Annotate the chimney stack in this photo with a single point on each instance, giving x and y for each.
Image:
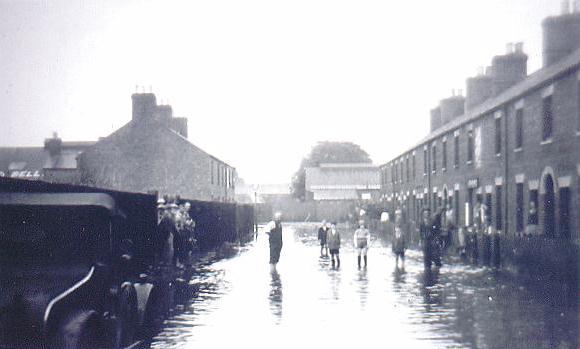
(144, 106)
(451, 107)
(435, 118)
(561, 34)
(508, 69)
(53, 145)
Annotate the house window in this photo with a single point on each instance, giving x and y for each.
(547, 118)
(470, 149)
(407, 168)
(456, 151)
(444, 155)
(413, 165)
(434, 158)
(519, 128)
(401, 169)
(578, 105)
(497, 135)
(211, 171)
(425, 168)
(520, 207)
(498, 208)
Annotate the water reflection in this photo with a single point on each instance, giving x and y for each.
(275, 296)
(458, 306)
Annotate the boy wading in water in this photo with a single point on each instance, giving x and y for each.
(333, 240)
(274, 231)
(399, 243)
(362, 239)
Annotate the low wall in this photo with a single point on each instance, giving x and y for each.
(217, 222)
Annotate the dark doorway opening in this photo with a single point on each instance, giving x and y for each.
(549, 207)
(565, 213)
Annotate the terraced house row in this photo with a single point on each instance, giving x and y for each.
(513, 140)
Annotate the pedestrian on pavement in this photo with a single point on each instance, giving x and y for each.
(399, 242)
(334, 244)
(322, 233)
(274, 231)
(362, 240)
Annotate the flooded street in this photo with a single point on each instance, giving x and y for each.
(310, 304)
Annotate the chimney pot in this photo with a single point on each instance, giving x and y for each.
(519, 47)
(565, 7)
(509, 48)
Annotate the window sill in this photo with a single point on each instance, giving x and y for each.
(547, 141)
(497, 155)
(518, 150)
(444, 169)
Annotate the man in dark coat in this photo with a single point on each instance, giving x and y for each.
(274, 231)
(430, 232)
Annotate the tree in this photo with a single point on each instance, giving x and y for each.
(326, 152)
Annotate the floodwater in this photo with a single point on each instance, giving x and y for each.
(310, 304)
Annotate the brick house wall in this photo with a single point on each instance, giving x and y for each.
(145, 156)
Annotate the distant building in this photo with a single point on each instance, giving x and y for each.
(55, 162)
(262, 193)
(152, 153)
(340, 182)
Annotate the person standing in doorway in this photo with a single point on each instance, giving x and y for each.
(334, 244)
(322, 234)
(362, 239)
(274, 231)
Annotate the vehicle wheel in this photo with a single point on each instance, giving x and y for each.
(128, 316)
(80, 330)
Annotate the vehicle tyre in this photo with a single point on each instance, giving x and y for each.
(128, 316)
(80, 330)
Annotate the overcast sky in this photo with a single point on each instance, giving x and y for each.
(260, 81)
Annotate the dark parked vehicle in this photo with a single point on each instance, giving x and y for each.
(71, 267)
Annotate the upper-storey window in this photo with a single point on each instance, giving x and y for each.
(578, 103)
(425, 167)
(413, 165)
(470, 148)
(407, 168)
(519, 138)
(434, 158)
(444, 155)
(401, 168)
(547, 114)
(497, 122)
(456, 150)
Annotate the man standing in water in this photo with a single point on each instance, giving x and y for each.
(334, 244)
(362, 239)
(322, 234)
(274, 231)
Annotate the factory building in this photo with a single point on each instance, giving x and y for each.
(511, 143)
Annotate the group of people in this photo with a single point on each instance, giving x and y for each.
(175, 232)
(329, 238)
(435, 234)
